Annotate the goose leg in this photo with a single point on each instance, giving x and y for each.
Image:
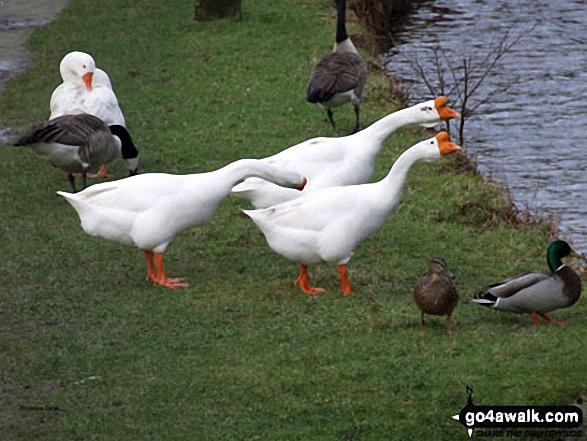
(162, 279)
(304, 281)
(151, 269)
(535, 319)
(550, 320)
(422, 322)
(84, 175)
(330, 117)
(357, 110)
(345, 285)
(71, 181)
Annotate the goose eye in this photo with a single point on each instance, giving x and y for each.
(431, 142)
(84, 66)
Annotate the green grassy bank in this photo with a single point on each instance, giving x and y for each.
(89, 350)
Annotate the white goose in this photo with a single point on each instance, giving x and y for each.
(326, 225)
(147, 211)
(87, 89)
(349, 160)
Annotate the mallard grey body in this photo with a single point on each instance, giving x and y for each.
(435, 294)
(537, 292)
(73, 143)
(340, 76)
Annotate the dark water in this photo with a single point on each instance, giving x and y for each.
(532, 137)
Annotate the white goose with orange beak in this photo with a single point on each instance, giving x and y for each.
(326, 225)
(348, 160)
(149, 210)
(87, 89)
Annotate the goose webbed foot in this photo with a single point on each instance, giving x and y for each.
(156, 272)
(102, 173)
(304, 282)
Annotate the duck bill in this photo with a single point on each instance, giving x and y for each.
(88, 80)
(574, 253)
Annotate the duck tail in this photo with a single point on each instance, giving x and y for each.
(484, 298)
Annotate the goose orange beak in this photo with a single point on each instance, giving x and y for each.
(445, 147)
(302, 185)
(88, 80)
(445, 112)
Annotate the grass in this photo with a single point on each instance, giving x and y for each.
(91, 351)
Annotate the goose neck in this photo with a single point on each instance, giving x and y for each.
(376, 134)
(341, 33)
(398, 174)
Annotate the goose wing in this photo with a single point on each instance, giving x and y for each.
(67, 129)
(335, 73)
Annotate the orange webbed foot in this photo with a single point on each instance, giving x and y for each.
(304, 282)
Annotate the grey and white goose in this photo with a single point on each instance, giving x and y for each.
(340, 76)
(80, 143)
(537, 293)
(87, 89)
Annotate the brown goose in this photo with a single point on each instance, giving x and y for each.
(339, 76)
(435, 294)
(537, 293)
(76, 144)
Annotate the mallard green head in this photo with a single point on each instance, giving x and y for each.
(556, 251)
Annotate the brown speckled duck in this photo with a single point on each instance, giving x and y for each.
(435, 294)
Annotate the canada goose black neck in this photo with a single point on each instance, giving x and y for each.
(341, 33)
(127, 147)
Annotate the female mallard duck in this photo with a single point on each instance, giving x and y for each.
(87, 89)
(149, 210)
(340, 76)
(537, 293)
(435, 294)
(75, 144)
(326, 225)
(349, 160)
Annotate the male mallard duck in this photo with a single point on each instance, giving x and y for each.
(149, 210)
(435, 294)
(349, 160)
(326, 225)
(87, 89)
(537, 293)
(340, 76)
(75, 144)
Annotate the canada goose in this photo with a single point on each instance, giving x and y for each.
(435, 294)
(77, 144)
(339, 76)
(87, 89)
(326, 225)
(538, 292)
(148, 211)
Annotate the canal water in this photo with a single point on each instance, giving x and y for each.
(532, 137)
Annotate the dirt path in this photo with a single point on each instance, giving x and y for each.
(18, 18)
